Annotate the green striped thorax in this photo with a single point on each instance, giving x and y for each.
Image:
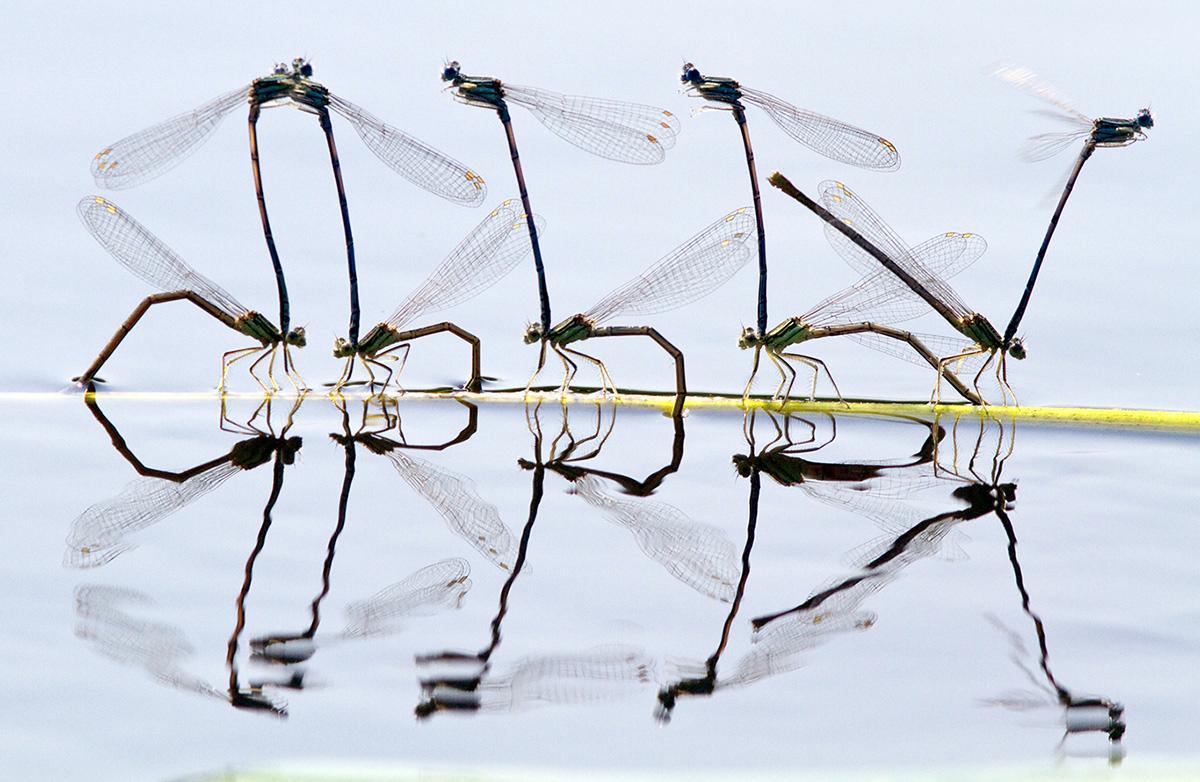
(790, 332)
(984, 333)
(256, 326)
(378, 338)
(476, 90)
(290, 84)
(572, 329)
(714, 88)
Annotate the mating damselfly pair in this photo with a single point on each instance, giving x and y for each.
(899, 282)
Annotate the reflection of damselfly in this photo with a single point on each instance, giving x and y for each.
(1099, 132)
(846, 214)
(616, 130)
(151, 152)
(824, 135)
(480, 260)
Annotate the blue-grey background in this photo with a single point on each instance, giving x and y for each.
(1109, 325)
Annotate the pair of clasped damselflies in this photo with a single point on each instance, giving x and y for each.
(923, 275)
(627, 133)
(145, 155)
(832, 138)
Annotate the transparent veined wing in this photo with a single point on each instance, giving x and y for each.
(144, 254)
(1046, 145)
(101, 533)
(487, 254)
(698, 555)
(941, 346)
(612, 129)
(144, 155)
(690, 272)
(827, 136)
(848, 207)
(431, 589)
(455, 499)
(881, 296)
(413, 159)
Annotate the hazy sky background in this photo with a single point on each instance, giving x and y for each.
(1109, 324)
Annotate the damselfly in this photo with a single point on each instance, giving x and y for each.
(488, 253)
(616, 130)
(690, 272)
(142, 253)
(865, 311)
(1099, 132)
(849, 218)
(830, 137)
(145, 155)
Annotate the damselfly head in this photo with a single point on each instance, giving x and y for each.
(1016, 349)
(296, 337)
(1145, 119)
(302, 67)
(342, 348)
(533, 333)
(452, 71)
(281, 69)
(743, 465)
(749, 338)
(690, 74)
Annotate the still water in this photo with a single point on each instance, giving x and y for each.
(541, 588)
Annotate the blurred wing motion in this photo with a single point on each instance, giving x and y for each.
(691, 272)
(143, 156)
(460, 506)
(605, 673)
(489, 252)
(431, 589)
(827, 136)
(697, 554)
(99, 534)
(156, 647)
(144, 254)
(1046, 145)
(612, 129)
(854, 212)
(416, 161)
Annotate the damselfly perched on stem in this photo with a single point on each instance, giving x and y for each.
(865, 311)
(690, 272)
(488, 253)
(847, 215)
(1099, 132)
(143, 254)
(616, 130)
(145, 155)
(829, 137)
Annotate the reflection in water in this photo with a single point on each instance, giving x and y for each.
(100, 534)
(889, 492)
(464, 681)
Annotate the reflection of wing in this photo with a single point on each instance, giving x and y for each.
(699, 555)
(464, 511)
(155, 647)
(431, 589)
(604, 673)
(98, 535)
(781, 646)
